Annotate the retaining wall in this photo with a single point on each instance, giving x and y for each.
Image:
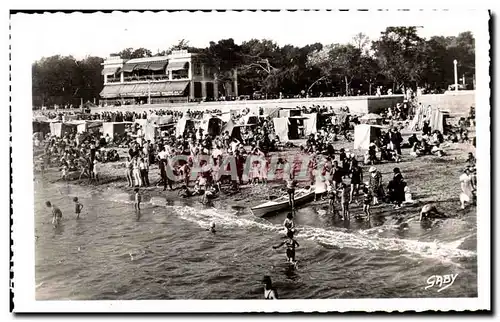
(457, 103)
(356, 104)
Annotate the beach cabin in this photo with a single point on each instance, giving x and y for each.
(233, 129)
(113, 128)
(211, 124)
(59, 129)
(364, 134)
(183, 125)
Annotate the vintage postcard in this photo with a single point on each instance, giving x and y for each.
(184, 159)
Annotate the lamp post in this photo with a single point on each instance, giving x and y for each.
(456, 76)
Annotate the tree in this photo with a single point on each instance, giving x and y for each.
(319, 60)
(345, 61)
(131, 53)
(91, 82)
(223, 56)
(369, 71)
(399, 55)
(362, 42)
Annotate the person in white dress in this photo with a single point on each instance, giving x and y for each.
(466, 196)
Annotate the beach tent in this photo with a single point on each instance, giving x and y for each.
(225, 117)
(310, 124)
(422, 113)
(81, 127)
(296, 127)
(364, 134)
(434, 115)
(272, 112)
(41, 127)
(113, 127)
(211, 124)
(233, 129)
(56, 128)
(371, 118)
(250, 119)
(68, 118)
(281, 128)
(182, 125)
(437, 120)
(284, 112)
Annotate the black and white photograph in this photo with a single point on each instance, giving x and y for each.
(205, 156)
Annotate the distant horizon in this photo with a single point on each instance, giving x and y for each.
(99, 34)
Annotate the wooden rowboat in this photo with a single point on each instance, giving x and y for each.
(301, 196)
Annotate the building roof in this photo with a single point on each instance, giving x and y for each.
(146, 59)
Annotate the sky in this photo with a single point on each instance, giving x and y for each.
(99, 34)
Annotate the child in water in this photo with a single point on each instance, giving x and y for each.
(56, 214)
(367, 199)
(78, 207)
(137, 199)
(288, 223)
(345, 197)
(290, 247)
(212, 227)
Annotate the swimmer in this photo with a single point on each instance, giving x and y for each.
(137, 199)
(212, 227)
(290, 247)
(78, 207)
(430, 212)
(288, 223)
(56, 214)
(269, 292)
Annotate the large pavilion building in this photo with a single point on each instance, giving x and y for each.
(179, 77)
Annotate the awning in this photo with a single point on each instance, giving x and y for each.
(110, 91)
(158, 65)
(134, 90)
(142, 66)
(145, 89)
(171, 88)
(109, 70)
(129, 67)
(176, 65)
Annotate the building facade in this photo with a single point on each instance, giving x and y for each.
(179, 77)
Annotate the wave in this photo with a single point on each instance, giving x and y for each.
(340, 239)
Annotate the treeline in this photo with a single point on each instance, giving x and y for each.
(397, 60)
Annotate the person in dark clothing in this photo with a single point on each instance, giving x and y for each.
(396, 141)
(396, 188)
(413, 139)
(426, 129)
(356, 178)
(337, 174)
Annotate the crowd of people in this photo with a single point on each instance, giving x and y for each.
(196, 163)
